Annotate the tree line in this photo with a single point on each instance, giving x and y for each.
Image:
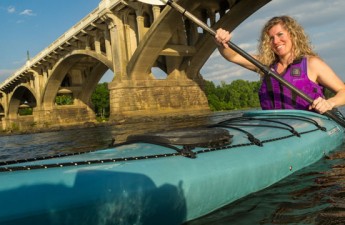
(239, 94)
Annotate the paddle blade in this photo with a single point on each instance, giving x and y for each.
(154, 2)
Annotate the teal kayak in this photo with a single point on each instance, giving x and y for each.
(168, 177)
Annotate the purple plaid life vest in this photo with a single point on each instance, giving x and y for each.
(274, 95)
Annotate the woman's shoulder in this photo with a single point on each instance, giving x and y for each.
(315, 62)
(318, 68)
(313, 58)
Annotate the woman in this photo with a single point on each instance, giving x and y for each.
(286, 49)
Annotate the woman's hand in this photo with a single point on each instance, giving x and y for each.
(321, 105)
(222, 37)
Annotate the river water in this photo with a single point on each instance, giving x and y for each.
(314, 195)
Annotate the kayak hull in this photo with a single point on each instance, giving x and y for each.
(145, 183)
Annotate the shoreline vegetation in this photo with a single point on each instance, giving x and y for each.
(239, 94)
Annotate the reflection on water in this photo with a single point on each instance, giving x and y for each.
(87, 139)
(314, 195)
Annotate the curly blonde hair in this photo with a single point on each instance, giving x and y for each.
(301, 45)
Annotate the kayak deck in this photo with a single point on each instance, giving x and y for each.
(148, 180)
(250, 129)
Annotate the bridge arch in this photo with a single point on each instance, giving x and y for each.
(22, 96)
(84, 69)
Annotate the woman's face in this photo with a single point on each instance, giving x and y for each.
(280, 40)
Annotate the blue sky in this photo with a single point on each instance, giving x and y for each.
(32, 25)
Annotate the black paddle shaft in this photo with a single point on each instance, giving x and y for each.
(251, 59)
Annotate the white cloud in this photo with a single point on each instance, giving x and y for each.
(218, 69)
(11, 9)
(27, 12)
(228, 73)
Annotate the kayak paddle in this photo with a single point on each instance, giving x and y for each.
(244, 54)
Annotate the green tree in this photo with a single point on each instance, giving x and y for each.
(25, 111)
(100, 100)
(65, 99)
(214, 103)
(239, 94)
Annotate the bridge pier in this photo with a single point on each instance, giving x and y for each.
(67, 115)
(59, 116)
(140, 98)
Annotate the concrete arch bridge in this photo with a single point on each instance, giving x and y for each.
(130, 39)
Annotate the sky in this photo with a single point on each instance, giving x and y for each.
(32, 25)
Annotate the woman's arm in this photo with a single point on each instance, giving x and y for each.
(320, 72)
